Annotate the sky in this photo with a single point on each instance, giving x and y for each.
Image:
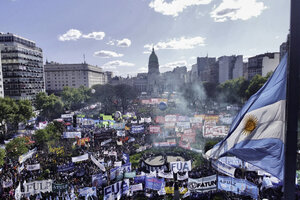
(118, 35)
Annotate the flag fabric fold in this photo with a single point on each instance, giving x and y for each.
(257, 134)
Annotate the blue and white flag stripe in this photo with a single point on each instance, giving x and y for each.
(264, 145)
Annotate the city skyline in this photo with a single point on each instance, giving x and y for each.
(118, 35)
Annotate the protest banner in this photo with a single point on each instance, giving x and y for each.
(105, 142)
(137, 187)
(80, 158)
(181, 166)
(33, 167)
(215, 131)
(71, 134)
(183, 177)
(170, 190)
(170, 118)
(97, 163)
(237, 186)
(160, 119)
(37, 187)
(169, 125)
(117, 163)
(154, 183)
(118, 126)
(56, 187)
(120, 133)
(125, 158)
(7, 183)
(88, 191)
(27, 155)
(196, 119)
(137, 129)
(212, 118)
(181, 118)
(98, 180)
(139, 179)
(223, 168)
(154, 129)
(164, 144)
(188, 138)
(183, 125)
(130, 174)
(204, 184)
(165, 175)
(64, 168)
(18, 193)
(116, 190)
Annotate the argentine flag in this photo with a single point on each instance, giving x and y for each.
(257, 134)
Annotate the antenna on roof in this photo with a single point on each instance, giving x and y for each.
(84, 59)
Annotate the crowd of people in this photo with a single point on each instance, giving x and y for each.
(69, 177)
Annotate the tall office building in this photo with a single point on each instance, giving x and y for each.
(262, 64)
(230, 67)
(1, 80)
(22, 67)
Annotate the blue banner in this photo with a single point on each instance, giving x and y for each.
(98, 180)
(137, 129)
(237, 186)
(139, 179)
(154, 183)
(126, 158)
(64, 168)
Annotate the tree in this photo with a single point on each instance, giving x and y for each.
(125, 94)
(52, 132)
(13, 112)
(233, 91)
(51, 106)
(2, 156)
(106, 95)
(255, 84)
(211, 143)
(75, 98)
(17, 147)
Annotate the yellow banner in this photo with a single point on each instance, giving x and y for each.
(170, 190)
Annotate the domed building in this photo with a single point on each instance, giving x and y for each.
(153, 65)
(153, 75)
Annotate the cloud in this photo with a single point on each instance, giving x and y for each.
(142, 70)
(170, 66)
(117, 63)
(107, 54)
(178, 43)
(95, 35)
(74, 34)
(237, 9)
(174, 7)
(120, 43)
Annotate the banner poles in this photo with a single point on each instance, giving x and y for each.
(292, 102)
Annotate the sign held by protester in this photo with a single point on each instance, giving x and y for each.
(181, 166)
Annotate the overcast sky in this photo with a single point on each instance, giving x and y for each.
(119, 34)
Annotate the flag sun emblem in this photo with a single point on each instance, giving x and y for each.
(250, 124)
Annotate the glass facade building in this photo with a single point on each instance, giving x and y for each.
(22, 67)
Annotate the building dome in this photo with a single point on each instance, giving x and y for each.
(153, 66)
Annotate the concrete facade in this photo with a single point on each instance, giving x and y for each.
(58, 76)
(262, 64)
(230, 67)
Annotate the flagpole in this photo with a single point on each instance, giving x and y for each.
(292, 102)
